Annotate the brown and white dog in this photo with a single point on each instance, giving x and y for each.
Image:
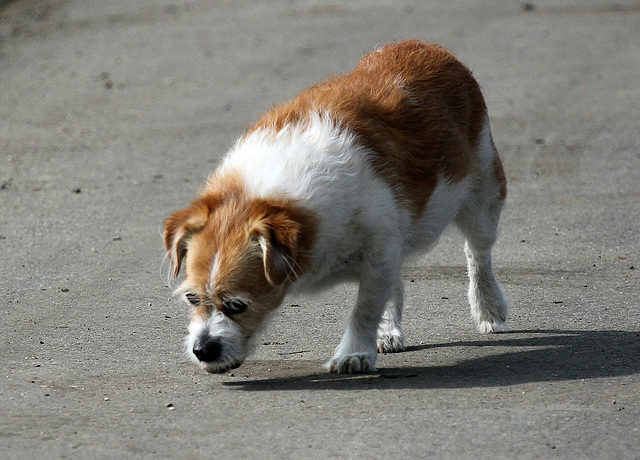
(343, 183)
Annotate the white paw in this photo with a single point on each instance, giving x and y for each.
(390, 341)
(492, 326)
(354, 363)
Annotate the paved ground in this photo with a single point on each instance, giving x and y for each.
(113, 112)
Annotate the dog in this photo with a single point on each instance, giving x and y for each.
(343, 183)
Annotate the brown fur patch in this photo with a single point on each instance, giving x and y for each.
(414, 105)
(232, 235)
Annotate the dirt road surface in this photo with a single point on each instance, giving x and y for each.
(112, 113)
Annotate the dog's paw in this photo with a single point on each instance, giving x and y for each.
(354, 363)
(492, 327)
(390, 342)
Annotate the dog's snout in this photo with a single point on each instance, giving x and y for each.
(207, 350)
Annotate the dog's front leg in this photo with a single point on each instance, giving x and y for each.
(357, 351)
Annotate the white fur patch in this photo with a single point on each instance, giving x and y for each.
(323, 167)
(213, 272)
(443, 205)
(296, 162)
(486, 151)
(232, 341)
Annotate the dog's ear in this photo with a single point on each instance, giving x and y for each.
(179, 228)
(278, 238)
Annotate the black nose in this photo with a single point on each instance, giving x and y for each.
(207, 350)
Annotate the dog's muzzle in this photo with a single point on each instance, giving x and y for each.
(217, 344)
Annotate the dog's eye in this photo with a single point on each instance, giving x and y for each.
(234, 307)
(192, 298)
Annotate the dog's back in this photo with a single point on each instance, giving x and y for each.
(418, 111)
(390, 147)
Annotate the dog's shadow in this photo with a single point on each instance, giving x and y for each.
(517, 357)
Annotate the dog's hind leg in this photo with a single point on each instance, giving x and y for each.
(390, 336)
(478, 220)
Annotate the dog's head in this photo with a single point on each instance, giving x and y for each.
(240, 256)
